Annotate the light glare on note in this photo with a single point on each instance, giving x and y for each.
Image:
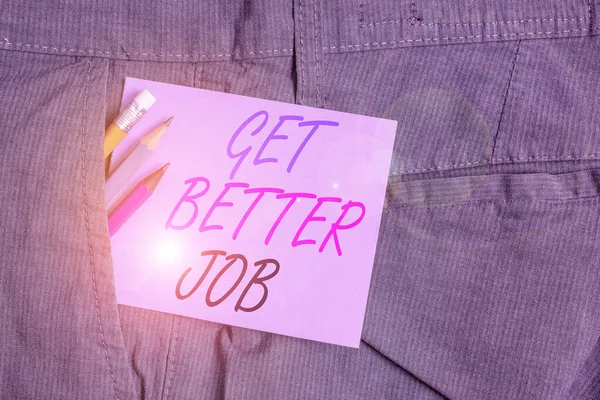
(168, 252)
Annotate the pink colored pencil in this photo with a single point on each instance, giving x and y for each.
(134, 200)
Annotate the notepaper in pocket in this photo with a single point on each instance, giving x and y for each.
(266, 219)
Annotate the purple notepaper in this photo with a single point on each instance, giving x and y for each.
(266, 219)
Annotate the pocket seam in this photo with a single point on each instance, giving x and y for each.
(501, 160)
(471, 23)
(84, 162)
(500, 188)
(438, 39)
(587, 199)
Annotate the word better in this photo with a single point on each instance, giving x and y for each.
(343, 222)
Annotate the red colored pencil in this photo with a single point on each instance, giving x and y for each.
(134, 200)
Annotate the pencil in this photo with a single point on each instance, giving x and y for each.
(134, 200)
(130, 115)
(123, 172)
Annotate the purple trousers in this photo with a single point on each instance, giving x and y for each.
(486, 281)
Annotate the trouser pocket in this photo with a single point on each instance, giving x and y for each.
(494, 273)
(60, 317)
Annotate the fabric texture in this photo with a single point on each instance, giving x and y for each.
(485, 282)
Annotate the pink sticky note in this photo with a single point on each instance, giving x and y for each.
(266, 219)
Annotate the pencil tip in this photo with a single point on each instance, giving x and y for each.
(152, 180)
(151, 140)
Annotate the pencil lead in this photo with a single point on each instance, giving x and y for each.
(152, 180)
(151, 139)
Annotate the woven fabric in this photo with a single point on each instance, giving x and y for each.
(485, 282)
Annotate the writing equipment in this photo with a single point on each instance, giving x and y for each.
(123, 172)
(134, 200)
(126, 119)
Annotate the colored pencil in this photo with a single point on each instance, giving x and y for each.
(123, 172)
(127, 118)
(134, 200)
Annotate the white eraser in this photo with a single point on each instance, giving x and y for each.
(145, 99)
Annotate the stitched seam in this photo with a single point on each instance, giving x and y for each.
(393, 42)
(171, 371)
(87, 230)
(194, 80)
(413, 13)
(301, 51)
(514, 22)
(317, 62)
(502, 160)
(361, 15)
(508, 85)
(6, 43)
(558, 202)
(403, 369)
